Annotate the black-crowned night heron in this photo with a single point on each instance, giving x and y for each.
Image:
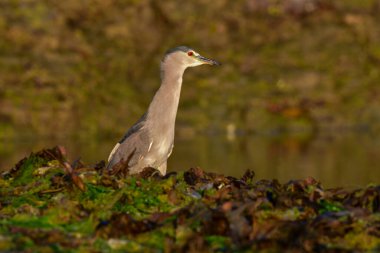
(149, 142)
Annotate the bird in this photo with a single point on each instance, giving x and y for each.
(150, 141)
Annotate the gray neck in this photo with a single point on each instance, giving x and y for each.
(163, 108)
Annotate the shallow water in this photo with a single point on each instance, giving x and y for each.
(349, 160)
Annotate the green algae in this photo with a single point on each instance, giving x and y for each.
(43, 210)
(27, 169)
(327, 206)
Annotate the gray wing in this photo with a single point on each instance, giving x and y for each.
(133, 146)
(135, 128)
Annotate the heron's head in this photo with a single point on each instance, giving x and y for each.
(187, 57)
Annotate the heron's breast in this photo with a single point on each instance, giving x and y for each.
(162, 147)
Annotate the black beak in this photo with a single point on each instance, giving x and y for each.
(208, 61)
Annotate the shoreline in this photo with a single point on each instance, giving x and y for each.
(47, 206)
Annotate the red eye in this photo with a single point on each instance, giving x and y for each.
(190, 53)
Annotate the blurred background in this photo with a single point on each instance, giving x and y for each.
(297, 95)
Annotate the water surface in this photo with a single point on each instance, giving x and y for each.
(351, 160)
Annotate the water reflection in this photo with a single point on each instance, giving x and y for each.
(345, 160)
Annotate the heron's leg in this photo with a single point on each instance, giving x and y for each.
(162, 168)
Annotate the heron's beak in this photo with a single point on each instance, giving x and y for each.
(207, 60)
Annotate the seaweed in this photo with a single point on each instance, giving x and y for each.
(49, 204)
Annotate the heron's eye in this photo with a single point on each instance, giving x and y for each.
(190, 53)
